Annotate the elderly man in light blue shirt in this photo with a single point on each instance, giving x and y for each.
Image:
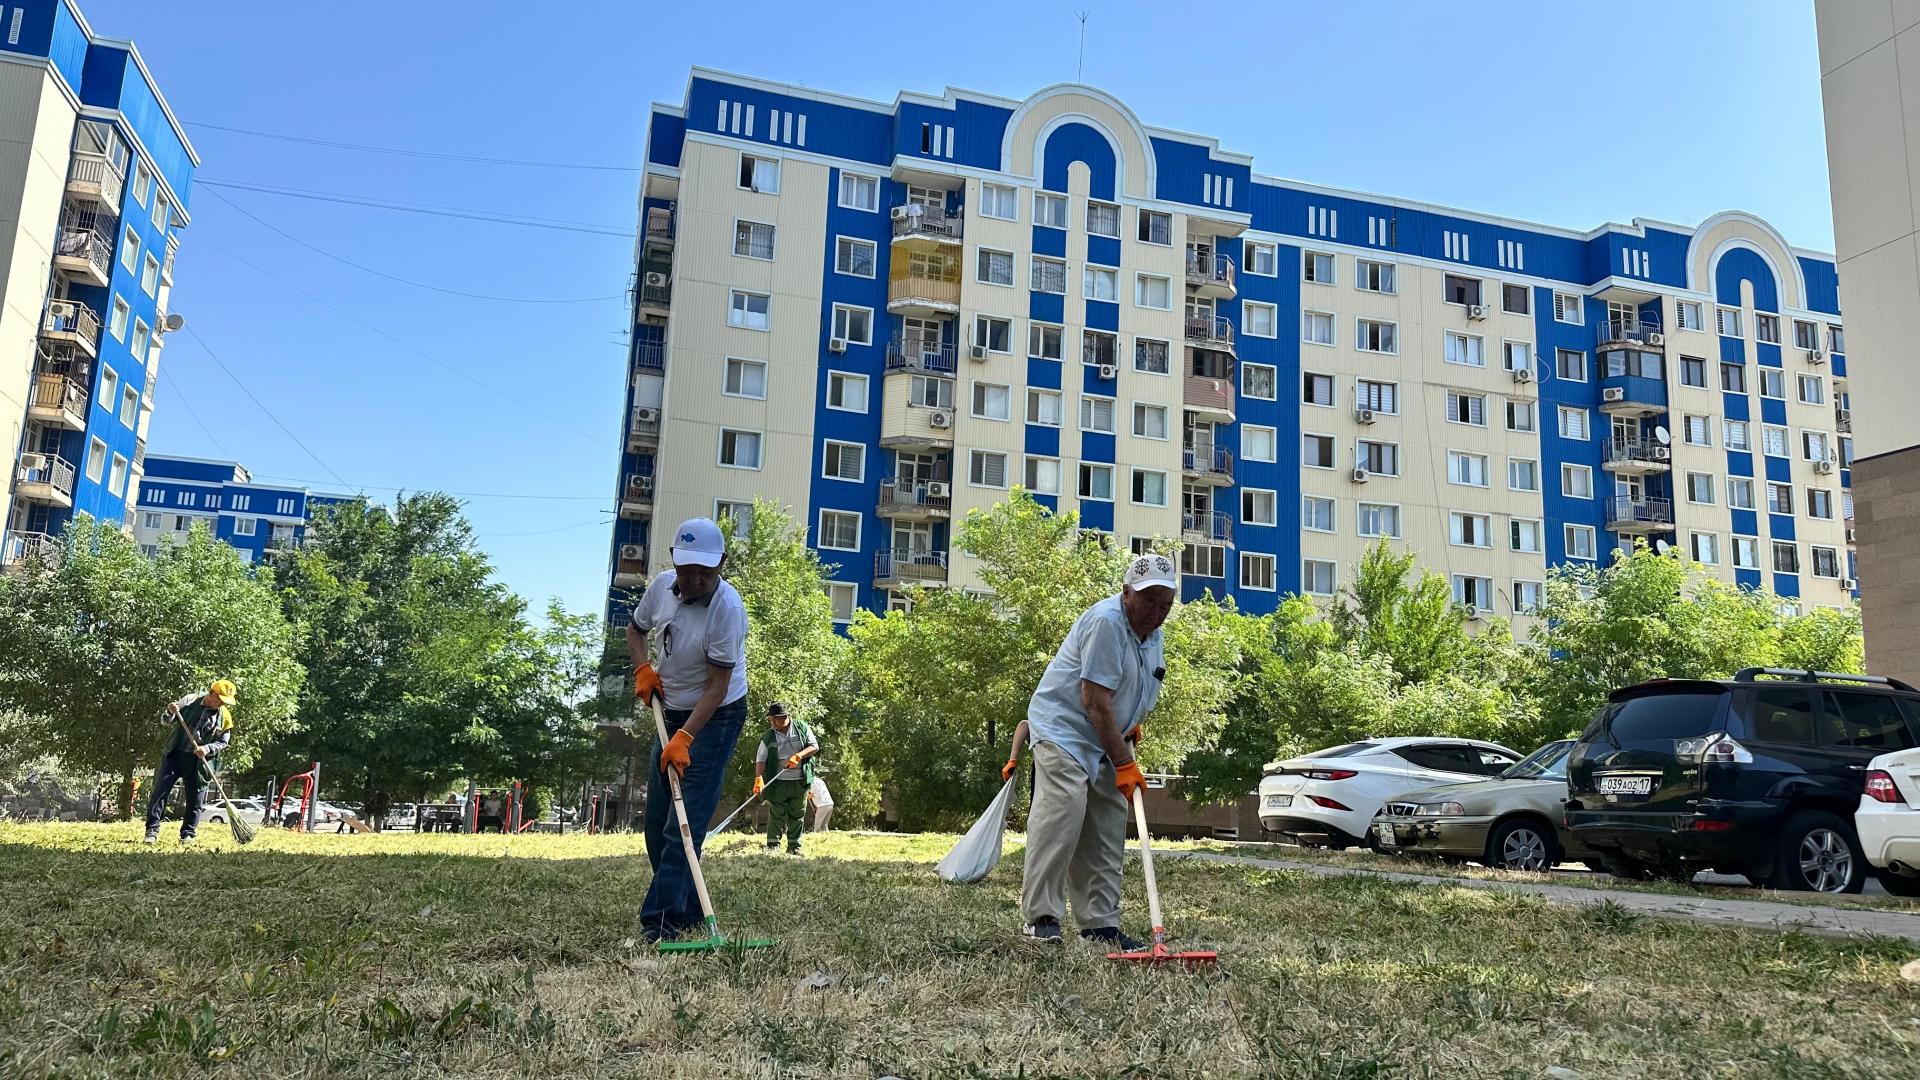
(1102, 683)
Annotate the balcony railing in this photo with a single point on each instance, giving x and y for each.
(898, 497)
(917, 220)
(922, 289)
(73, 319)
(96, 173)
(638, 489)
(1207, 459)
(51, 470)
(1203, 392)
(166, 266)
(1636, 452)
(1843, 420)
(917, 354)
(1209, 269)
(656, 295)
(910, 564)
(644, 424)
(1209, 332)
(660, 225)
(1629, 511)
(650, 355)
(22, 547)
(1632, 331)
(97, 250)
(58, 392)
(1212, 525)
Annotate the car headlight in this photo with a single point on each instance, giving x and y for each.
(1443, 809)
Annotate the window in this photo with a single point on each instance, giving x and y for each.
(1371, 276)
(1739, 493)
(1773, 440)
(1518, 355)
(1461, 290)
(1700, 488)
(242, 502)
(1203, 560)
(1103, 219)
(1043, 407)
(184, 498)
(760, 174)
(129, 406)
(1379, 337)
(1570, 365)
(1043, 475)
(1779, 498)
(1377, 520)
(1096, 482)
(1806, 335)
(1693, 371)
(1846, 451)
(1381, 397)
(1256, 572)
(1528, 596)
(109, 384)
(1686, 315)
(1699, 430)
(993, 333)
(1316, 576)
(1836, 339)
(246, 526)
(1466, 408)
(1727, 321)
(1316, 451)
(1566, 309)
(142, 339)
(1819, 503)
(1786, 558)
(1049, 275)
(844, 461)
(1523, 535)
(1149, 487)
(844, 596)
(994, 267)
(1098, 347)
(1156, 227)
(1155, 292)
(986, 468)
(1049, 210)
(1573, 423)
(1746, 552)
(1704, 548)
(1259, 381)
(739, 449)
(1316, 327)
(1467, 530)
(117, 476)
(1261, 259)
(1257, 443)
(1516, 299)
(1737, 437)
(1466, 349)
(1576, 481)
(753, 240)
(1523, 474)
(117, 322)
(1579, 539)
(853, 256)
(1257, 507)
(162, 212)
(149, 520)
(142, 182)
(853, 324)
(839, 531)
(1733, 378)
(1149, 421)
(1379, 458)
(992, 401)
(1316, 514)
(846, 392)
(1826, 561)
(746, 378)
(749, 311)
(130, 250)
(1813, 446)
(1152, 356)
(1317, 267)
(1316, 389)
(1467, 470)
(998, 201)
(1520, 416)
(1100, 283)
(859, 192)
(1766, 328)
(1773, 383)
(150, 276)
(1259, 320)
(1045, 342)
(1813, 390)
(1096, 414)
(1473, 593)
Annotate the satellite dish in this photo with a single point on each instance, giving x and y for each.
(175, 321)
(1663, 435)
(1662, 546)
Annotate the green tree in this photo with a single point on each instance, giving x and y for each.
(1410, 621)
(1824, 639)
(97, 640)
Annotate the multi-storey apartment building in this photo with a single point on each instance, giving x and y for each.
(93, 194)
(887, 315)
(261, 520)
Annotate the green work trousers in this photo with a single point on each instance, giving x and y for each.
(787, 799)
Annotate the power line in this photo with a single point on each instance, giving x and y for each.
(393, 277)
(191, 411)
(370, 149)
(215, 357)
(524, 221)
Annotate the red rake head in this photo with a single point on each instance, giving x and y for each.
(1160, 954)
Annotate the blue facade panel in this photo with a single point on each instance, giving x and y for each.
(666, 134)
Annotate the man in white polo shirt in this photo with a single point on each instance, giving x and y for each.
(1102, 683)
(700, 631)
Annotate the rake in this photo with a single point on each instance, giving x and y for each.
(1159, 954)
(243, 831)
(715, 940)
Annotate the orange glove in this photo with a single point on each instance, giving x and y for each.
(758, 784)
(1134, 735)
(646, 683)
(1129, 779)
(793, 762)
(677, 756)
(1006, 771)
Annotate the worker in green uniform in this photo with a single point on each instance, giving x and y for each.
(790, 745)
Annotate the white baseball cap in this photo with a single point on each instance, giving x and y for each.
(698, 542)
(1146, 571)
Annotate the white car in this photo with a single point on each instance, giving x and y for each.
(1329, 798)
(250, 810)
(1888, 820)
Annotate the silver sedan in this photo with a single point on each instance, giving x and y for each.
(1511, 822)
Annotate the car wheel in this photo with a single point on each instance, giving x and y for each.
(1819, 853)
(1522, 844)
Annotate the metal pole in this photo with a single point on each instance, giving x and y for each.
(313, 800)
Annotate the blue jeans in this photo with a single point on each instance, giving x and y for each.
(671, 906)
(175, 767)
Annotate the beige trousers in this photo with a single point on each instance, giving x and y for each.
(1076, 841)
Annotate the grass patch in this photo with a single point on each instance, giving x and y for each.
(342, 956)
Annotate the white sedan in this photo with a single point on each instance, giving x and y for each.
(1329, 798)
(1888, 820)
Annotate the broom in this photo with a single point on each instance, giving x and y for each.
(243, 831)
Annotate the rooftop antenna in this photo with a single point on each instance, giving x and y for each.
(1080, 67)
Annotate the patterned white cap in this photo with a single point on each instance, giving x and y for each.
(1146, 571)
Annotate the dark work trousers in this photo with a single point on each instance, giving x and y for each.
(671, 907)
(179, 765)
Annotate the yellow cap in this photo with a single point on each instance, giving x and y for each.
(224, 690)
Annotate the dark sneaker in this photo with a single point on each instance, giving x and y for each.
(773, 849)
(1045, 931)
(1112, 939)
(795, 852)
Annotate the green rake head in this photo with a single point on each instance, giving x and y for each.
(715, 941)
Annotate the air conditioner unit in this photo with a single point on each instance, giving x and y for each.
(941, 418)
(1523, 375)
(632, 552)
(656, 280)
(899, 213)
(1365, 416)
(837, 345)
(1109, 371)
(640, 486)
(1823, 466)
(938, 490)
(1849, 584)
(1815, 356)
(1663, 453)
(1852, 537)
(647, 415)
(1359, 476)
(977, 352)
(1656, 339)
(33, 462)
(1613, 393)
(1476, 311)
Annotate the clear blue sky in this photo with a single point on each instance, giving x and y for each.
(1560, 114)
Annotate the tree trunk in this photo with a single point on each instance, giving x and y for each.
(126, 793)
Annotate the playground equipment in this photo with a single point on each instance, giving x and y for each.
(309, 782)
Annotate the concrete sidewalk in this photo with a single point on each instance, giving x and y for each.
(1836, 920)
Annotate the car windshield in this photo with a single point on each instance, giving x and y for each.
(1547, 763)
(1348, 750)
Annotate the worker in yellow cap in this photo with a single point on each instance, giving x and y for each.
(201, 726)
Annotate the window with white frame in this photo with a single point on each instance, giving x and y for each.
(1372, 276)
(846, 392)
(1103, 219)
(993, 333)
(117, 476)
(844, 597)
(1316, 327)
(999, 201)
(1377, 520)
(1466, 470)
(1153, 291)
(1316, 514)
(1740, 493)
(748, 310)
(1153, 356)
(1463, 408)
(1378, 458)
(853, 324)
(739, 449)
(1523, 535)
(1466, 349)
(1316, 451)
(1773, 440)
(1156, 227)
(1049, 275)
(1766, 328)
(760, 174)
(1813, 390)
(1096, 414)
(130, 251)
(1457, 289)
(1096, 482)
(1203, 560)
(1786, 557)
(1806, 335)
(1813, 446)
(1257, 443)
(1528, 596)
(859, 192)
(992, 401)
(150, 276)
(854, 256)
(839, 531)
(1773, 383)
(1746, 552)
(1737, 435)
(1826, 561)
(1576, 481)
(1257, 507)
(1377, 396)
(1518, 355)
(752, 240)
(1049, 210)
(1700, 488)
(1259, 320)
(1046, 342)
(1256, 572)
(1372, 335)
(745, 378)
(1573, 423)
(1259, 381)
(1733, 377)
(1149, 487)
(1149, 421)
(1727, 321)
(1043, 407)
(1686, 315)
(993, 267)
(1261, 258)
(987, 468)
(1819, 503)
(1316, 389)
(1043, 475)
(1516, 299)
(1101, 283)
(1699, 430)
(1467, 530)
(1579, 540)
(1566, 309)
(129, 406)
(1316, 267)
(1523, 474)
(1521, 415)
(844, 461)
(246, 526)
(1779, 498)
(1317, 577)
(117, 321)
(1693, 372)
(149, 521)
(1704, 548)
(1836, 339)
(1099, 348)
(1570, 365)
(1473, 593)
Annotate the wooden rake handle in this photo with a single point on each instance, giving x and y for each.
(680, 810)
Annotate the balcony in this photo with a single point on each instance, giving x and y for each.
(924, 295)
(97, 179)
(650, 357)
(1636, 457)
(925, 500)
(71, 320)
(656, 293)
(1632, 395)
(1204, 463)
(1210, 398)
(1210, 274)
(23, 548)
(909, 566)
(630, 567)
(1626, 514)
(1843, 421)
(922, 356)
(643, 427)
(657, 233)
(1629, 334)
(636, 497)
(84, 254)
(58, 400)
(285, 539)
(166, 265)
(1209, 332)
(914, 222)
(45, 478)
(1207, 526)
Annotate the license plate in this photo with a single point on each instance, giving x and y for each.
(1279, 802)
(1626, 785)
(1383, 832)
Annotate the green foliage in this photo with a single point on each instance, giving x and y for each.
(96, 642)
